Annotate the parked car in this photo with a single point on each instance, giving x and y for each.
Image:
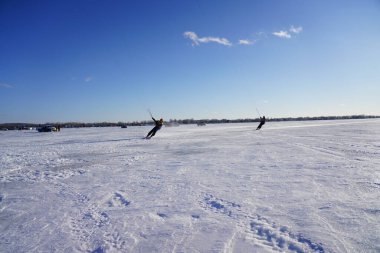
(47, 128)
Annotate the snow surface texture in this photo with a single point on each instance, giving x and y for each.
(291, 187)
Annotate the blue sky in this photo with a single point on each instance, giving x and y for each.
(94, 61)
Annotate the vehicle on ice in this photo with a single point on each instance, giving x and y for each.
(47, 128)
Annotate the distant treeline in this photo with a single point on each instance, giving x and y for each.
(216, 121)
(22, 126)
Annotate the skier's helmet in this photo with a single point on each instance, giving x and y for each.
(161, 120)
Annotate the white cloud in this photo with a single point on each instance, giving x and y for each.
(282, 34)
(197, 40)
(192, 36)
(246, 42)
(222, 41)
(287, 34)
(296, 30)
(88, 79)
(6, 85)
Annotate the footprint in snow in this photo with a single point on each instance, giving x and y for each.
(162, 215)
(118, 200)
(219, 205)
(279, 237)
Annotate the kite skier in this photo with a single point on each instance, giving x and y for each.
(262, 122)
(158, 125)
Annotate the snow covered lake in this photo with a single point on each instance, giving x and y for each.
(292, 187)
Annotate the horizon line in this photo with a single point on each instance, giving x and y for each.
(358, 116)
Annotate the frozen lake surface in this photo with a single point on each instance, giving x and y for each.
(292, 187)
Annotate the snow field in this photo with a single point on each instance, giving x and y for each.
(292, 187)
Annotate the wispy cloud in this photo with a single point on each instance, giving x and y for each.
(296, 30)
(282, 34)
(6, 85)
(246, 42)
(197, 40)
(287, 34)
(88, 79)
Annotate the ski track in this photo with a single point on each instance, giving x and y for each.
(94, 222)
(354, 152)
(94, 227)
(279, 238)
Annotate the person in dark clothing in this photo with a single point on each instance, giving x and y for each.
(262, 122)
(157, 127)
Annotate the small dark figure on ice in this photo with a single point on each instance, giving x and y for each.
(157, 127)
(262, 122)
